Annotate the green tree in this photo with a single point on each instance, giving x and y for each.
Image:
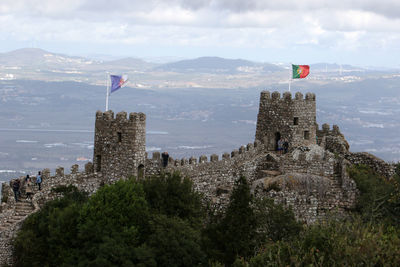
(110, 225)
(233, 233)
(275, 222)
(174, 196)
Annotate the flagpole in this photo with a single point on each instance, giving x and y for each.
(107, 89)
(290, 76)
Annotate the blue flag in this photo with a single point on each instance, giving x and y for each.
(117, 81)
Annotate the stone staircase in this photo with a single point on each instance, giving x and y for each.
(22, 208)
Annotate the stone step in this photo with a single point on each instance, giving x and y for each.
(19, 216)
(12, 220)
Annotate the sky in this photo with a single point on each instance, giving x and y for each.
(357, 32)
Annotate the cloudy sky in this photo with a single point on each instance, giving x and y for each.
(358, 32)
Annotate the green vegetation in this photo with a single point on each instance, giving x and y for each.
(162, 221)
(379, 199)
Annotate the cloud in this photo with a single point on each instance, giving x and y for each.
(339, 25)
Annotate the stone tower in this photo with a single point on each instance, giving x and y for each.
(292, 119)
(119, 144)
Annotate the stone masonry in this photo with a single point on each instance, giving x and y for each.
(311, 178)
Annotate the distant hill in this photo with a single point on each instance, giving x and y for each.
(216, 65)
(35, 57)
(135, 63)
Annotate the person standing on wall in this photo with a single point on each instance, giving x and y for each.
(39, 180)
(15, 187)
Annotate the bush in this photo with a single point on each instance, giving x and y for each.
(336, 243)
(379, 198)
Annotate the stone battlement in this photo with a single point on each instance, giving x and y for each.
(249, 148)
(120, 117)
(286, 96)
(326, 130)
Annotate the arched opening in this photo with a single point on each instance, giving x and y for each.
(277, 138)
(140, 171)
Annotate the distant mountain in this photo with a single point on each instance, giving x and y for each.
(35, 57)
(216, 65)
(135, 63)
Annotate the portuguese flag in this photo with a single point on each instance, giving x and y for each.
(300, 71)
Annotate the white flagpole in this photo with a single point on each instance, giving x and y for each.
(108, 89)
(290, 75)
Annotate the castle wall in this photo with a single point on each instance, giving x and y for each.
(215, 176)
(293, 118)
(376, 164)
(119, 144)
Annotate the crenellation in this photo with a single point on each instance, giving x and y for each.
(89, 168)
(226, 156)
(214, 158)
(234, 153)
(310, 96)
(276, 95)
(74, 168)
(250, 147)
(242, 149)
(202, 159)
(108, 115)
(299, 96)
(325, 127)
(121, 116)
(265, 95)
(287, 96)
(335, 129)
(46, 173)
(133, 116)
(192, 160)
(156, 155)
(99, 115)
(60, 171)
(177, 163)
(184, 161)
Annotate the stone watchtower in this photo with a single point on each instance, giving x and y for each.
(119, 144)
(292, 119)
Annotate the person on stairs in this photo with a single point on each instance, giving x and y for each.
(15, 187)
(39, 180)
(29, 190)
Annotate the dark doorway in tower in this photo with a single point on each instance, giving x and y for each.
(140, 171)
(277, 138)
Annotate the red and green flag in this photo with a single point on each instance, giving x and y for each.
(300, 71)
